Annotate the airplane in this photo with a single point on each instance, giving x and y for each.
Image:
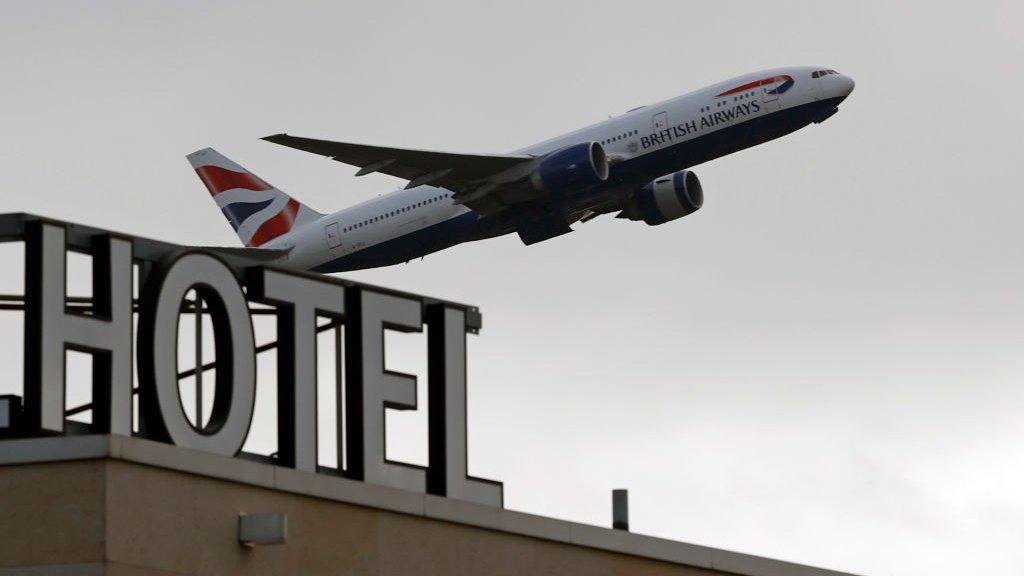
(636, 165)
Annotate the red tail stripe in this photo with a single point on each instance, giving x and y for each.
(276, 226)
(219, 179)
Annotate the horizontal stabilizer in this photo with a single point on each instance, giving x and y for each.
(261, 254)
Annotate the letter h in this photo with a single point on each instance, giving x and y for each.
(51, 330)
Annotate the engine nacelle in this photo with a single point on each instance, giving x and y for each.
(576, 166)
(668, 198)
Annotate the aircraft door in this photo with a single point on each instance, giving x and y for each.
(333, 237)
(659, 122)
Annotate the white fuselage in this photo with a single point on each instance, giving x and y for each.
(643, 144)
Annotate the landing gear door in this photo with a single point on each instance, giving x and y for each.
(333, 237)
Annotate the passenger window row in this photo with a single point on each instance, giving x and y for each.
(394, 213)
(736, 98)
(620, 137)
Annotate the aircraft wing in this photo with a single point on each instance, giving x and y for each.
(470, 176)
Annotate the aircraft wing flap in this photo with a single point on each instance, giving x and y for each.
(489, 199)
(450, 170)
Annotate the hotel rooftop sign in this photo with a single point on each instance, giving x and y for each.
(230, 284)
(34, 427)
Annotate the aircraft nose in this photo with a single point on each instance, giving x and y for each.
(844, 85)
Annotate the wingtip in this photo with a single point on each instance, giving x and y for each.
(272, 137)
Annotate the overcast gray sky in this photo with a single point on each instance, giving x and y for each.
(822, 365)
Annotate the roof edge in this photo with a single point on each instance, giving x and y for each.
(340, 489)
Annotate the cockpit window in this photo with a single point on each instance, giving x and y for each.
(820, 73)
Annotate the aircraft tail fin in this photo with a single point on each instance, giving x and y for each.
(256, 210)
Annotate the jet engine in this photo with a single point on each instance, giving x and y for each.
(666, 198)
(572, 167)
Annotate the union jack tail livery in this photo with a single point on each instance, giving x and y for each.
(256, 210)
(635, 165)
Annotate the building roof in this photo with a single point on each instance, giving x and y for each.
(331, 487)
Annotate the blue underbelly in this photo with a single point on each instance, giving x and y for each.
(408, 246)
(689, 153)
(636, 171)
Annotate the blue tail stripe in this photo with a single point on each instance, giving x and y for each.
(237, 212)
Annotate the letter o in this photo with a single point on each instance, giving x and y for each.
(235, 386)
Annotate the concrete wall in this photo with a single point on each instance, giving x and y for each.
(116, 517)
(52, 513)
